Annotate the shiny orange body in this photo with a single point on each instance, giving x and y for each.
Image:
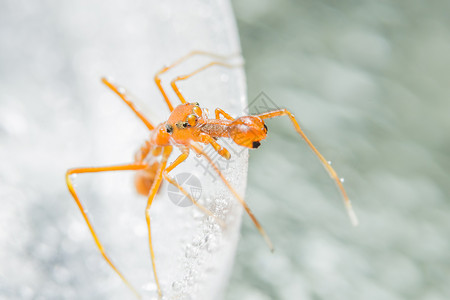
(189, 123)
(189, 128)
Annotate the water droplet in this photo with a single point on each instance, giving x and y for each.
(150, 287)
(342, 179)
(191, 252)
(212, 245)
(215, 228)
(122, 90)
(210, 220)
(190, 278)
(329, 162)
(197, 242)
(177, 285)
(73, 176)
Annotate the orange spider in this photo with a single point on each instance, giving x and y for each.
(187, 128)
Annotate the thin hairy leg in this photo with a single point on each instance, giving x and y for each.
(167, 177)
(70, 172)
(200, 151)
(331, 171)
(173, 83)
(153, 190)
(124, 97)
(179, 61)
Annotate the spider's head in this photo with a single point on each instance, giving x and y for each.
(183, 120)
(248, 131)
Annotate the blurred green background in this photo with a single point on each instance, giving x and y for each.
(369, 82)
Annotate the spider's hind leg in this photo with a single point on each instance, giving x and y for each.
(129, 167)
(330, 170)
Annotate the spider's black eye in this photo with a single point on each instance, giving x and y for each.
(182, 125)
(265, 127)
(169, 128)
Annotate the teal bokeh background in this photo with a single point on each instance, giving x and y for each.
(369, 82)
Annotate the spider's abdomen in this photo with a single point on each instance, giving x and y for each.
(144, 179)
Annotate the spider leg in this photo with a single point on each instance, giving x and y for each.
(124, 97)
(153, 190)
(166, 175)
(70, 172)
(177, 62)
(219, 112)
(333, 174)
(184, 77)
(207, 139)
(200, 151)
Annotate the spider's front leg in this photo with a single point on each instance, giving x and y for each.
(122, 94)
(183, 156)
